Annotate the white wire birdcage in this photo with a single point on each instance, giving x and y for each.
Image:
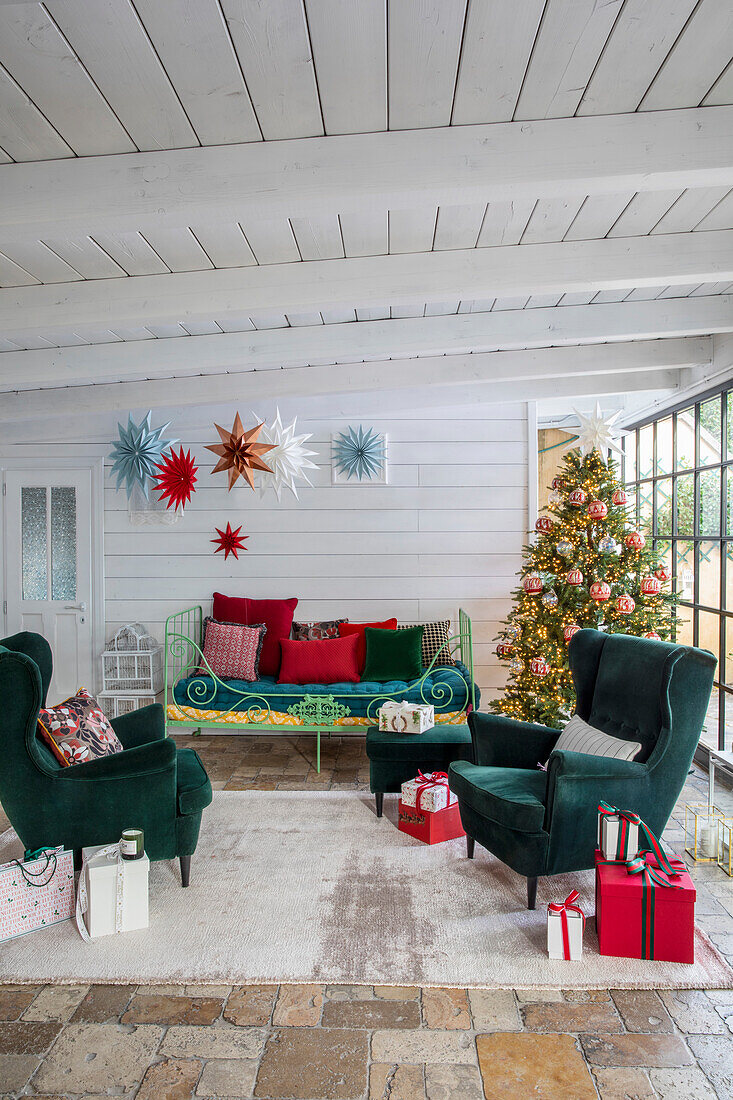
(114, 704)
(133, 662)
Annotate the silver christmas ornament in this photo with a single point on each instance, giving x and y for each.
(549, 599)
(564, 548)
(607, 545)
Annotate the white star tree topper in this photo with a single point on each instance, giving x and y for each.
(289, 458)
(596, 433)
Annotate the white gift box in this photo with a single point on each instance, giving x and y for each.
(609, 826)
(406, 717)
(111, 909)
(555, 946)
(431, 798)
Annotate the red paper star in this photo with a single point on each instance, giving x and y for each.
(176, 479)
(230, 541)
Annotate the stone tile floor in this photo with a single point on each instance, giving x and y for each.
(314, 1042)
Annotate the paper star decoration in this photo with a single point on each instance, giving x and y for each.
(239, 452)
(596, 433)
(288, 458)
(359, 453)
(137, 452)
(230, 541)
(176, 478)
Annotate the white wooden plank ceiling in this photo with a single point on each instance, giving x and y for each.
(81, 80)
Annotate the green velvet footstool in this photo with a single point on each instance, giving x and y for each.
(395, 757)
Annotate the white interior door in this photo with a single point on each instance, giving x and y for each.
(48, 568)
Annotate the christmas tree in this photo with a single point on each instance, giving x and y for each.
(588, 566)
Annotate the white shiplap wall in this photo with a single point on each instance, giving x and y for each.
(446, 532)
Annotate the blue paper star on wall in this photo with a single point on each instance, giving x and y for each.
(137, 452)
(359, 453)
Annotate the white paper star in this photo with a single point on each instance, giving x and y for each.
(288, 459)
(596, 433)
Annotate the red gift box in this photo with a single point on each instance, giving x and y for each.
(429, 827)
(643, 915)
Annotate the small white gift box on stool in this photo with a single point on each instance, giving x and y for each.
(618, 832)
(565, 926)
(116, 892)
(406, 717)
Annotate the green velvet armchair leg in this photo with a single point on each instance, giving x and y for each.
(542, 820)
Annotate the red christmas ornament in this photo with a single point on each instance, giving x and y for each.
(533, 584)
(635, 540)
(651, 586)
(504, 649)
(619, 497)
(661, 574)
(599, 590)
(597, 509)
(574, 577)
(625, 605)
(577, 498)
(176, 479)
(544, 524)
(570, 631)
(558, 483)
(538, 666)
(229, 541)
(653, 635)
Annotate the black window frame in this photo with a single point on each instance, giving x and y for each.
(642, 486)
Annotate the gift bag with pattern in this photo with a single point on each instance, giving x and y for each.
(36, 892)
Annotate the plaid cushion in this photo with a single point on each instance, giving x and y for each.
(435, 639)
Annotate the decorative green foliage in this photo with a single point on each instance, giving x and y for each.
(319, 710)
(576, 537)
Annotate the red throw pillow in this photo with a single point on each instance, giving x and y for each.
(345, 629)
(232, 650)
(326, 661)
(277, 615)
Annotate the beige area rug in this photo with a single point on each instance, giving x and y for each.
(302, 887)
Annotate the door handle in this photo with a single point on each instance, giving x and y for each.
(75, 607)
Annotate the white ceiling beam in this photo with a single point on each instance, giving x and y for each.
(511, 161)
(521, 368)
(414, 278)
(406, 337)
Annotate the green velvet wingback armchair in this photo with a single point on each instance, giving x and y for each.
(544, 823)
(151, 785)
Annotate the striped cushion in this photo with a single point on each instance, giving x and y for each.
(435, 639)
(578, 736)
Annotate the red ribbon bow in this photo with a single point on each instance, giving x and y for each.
(563, 908)
(426, 783)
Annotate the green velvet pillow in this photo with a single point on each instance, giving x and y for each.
(393, 654)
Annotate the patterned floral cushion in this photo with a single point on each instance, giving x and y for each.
(316, 632)
(435, 639)
(233, 650)
(77, 730)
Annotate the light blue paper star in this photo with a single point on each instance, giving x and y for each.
(359, 453)
(137, 453)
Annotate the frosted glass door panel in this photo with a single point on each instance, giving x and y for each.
(63, 543)
(35, 543)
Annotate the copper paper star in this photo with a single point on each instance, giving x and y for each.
(229, 541)
(239, 453)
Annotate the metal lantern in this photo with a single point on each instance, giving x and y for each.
(725, 836)
(653, 635)
(619, 497)
(597, 509)
(565, 548)
(570, 631)
(661, 574)
(574, 577)
(533, 584)
(635, 540)
(651, 586)
(504, 649)
(543, 525)
(538, 666)
(600, 590)
(701, 831)
(577, 498)
(625, 605)
(607, 544)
